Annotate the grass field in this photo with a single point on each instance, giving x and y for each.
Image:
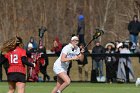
(77, 87)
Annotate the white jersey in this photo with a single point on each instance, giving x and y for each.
(70, 51)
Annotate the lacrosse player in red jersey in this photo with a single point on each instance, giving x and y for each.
(13, 52)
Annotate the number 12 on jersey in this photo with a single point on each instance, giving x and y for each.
(14, 58)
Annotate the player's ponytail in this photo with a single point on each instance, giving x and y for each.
(11, 44)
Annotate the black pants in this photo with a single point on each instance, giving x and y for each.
(0, 72)
(44, 72)
(110, 71)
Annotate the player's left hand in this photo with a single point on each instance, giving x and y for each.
(82, 50)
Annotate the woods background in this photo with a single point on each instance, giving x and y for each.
(25, 17)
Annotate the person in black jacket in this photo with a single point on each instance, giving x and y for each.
(5, 65)
(97, 61)
(134, 29)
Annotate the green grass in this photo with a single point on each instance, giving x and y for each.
(76, 87)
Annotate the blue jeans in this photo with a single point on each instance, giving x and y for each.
(98, 66)
(133, 38)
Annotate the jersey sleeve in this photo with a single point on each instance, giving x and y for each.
(65, 50)
(23, 53)
(78, 51)
(6, 55)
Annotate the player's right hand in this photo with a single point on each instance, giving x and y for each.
(75, 58)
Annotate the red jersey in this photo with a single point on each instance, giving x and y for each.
(15, 62)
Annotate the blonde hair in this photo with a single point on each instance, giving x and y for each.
(11, 44)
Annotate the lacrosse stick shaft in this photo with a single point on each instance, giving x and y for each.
(95, 36)
(88, 43)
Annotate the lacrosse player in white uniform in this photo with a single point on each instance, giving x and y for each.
(69, 52)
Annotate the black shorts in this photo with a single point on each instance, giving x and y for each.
(16, 77)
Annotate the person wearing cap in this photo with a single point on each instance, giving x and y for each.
(134, 29)
(69, 53)
(33, 42)
(30, 46)
(29, 52)
(81, 28)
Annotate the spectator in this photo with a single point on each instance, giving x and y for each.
(134, 29)
(16, 57)
(125, 71)
(29, 49)
(81, 28)
(32, 73)
(44, 62)
(57, 46)
(33, 42)
(97, 64)
(109, 62)
(82, 65)
(0, 69)
(118, 47)
(5, 65)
